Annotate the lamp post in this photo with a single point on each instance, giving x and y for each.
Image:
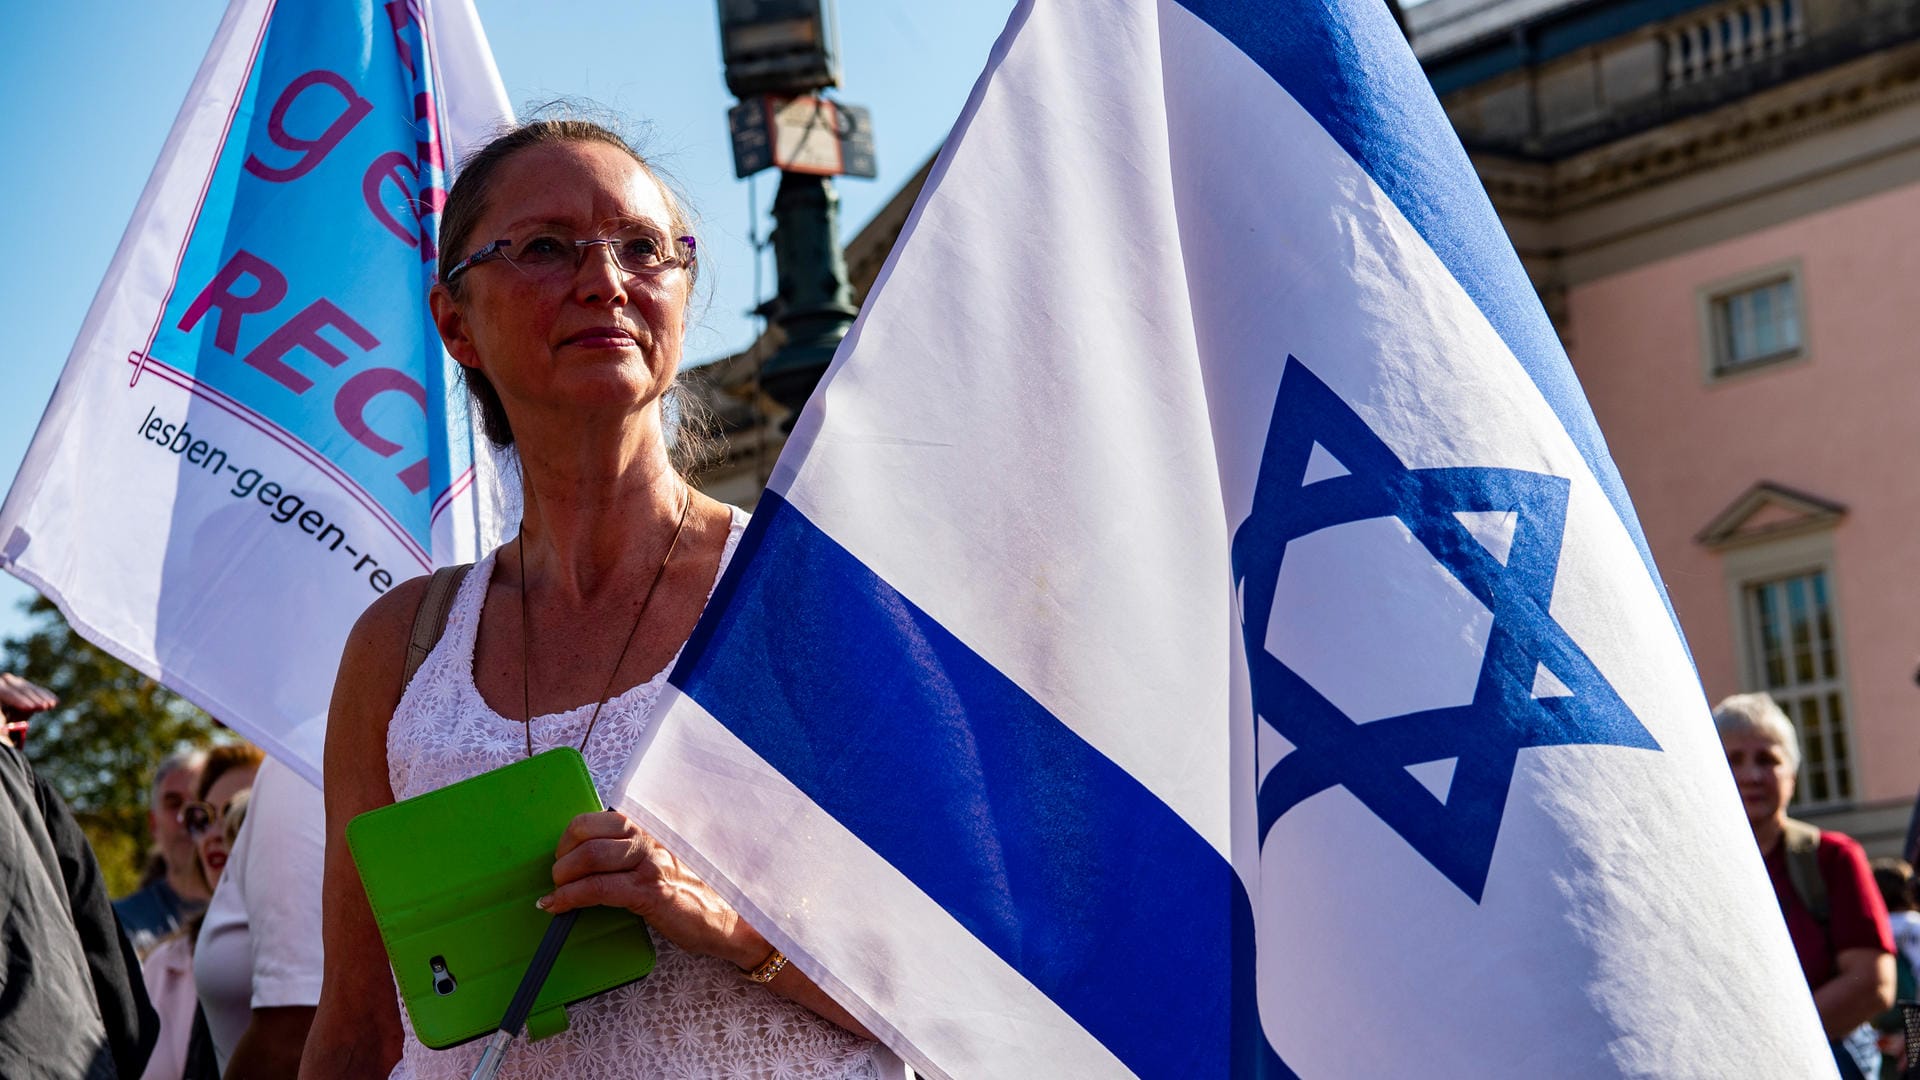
(779, 54)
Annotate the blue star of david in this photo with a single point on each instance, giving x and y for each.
(1485, 737)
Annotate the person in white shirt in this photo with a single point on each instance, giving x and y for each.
(259, 959)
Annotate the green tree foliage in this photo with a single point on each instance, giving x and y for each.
(98, 749)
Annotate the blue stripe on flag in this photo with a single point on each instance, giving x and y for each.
(1346, 64)
(1051, 855)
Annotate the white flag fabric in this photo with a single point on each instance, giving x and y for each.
(257, 431)
(1196, 629)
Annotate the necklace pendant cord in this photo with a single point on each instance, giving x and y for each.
(526, 667)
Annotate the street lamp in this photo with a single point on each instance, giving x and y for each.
(779, 54)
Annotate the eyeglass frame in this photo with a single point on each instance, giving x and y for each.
(216, 817)
(497, 250)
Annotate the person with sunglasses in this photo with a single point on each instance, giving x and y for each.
(566, 268)
(185, 1050)
(227, 775)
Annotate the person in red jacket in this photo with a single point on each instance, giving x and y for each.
(1825, 886)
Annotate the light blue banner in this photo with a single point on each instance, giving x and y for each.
(326, 193)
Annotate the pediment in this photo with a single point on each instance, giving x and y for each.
(1769, 511)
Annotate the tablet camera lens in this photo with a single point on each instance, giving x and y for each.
(443, 983)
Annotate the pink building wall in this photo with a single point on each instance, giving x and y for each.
(1842, 424)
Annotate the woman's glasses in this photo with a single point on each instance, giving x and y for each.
(552, 253)
(200, 818)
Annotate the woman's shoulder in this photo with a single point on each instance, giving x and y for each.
(377, 644)
(386, 625)
(1843, 863)
(1841, 847)
(373, 664)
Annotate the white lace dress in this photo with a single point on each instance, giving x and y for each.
(694, 1016)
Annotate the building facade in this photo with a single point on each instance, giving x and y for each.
(1719, 204)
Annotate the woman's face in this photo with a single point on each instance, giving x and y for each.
(1761, 773)
(598, 340)
(211, 846)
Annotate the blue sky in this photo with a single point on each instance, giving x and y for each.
(96, 83)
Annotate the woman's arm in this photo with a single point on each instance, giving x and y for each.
(356, 1030)
(272, 1044)
(1862, 990)
(605, 859)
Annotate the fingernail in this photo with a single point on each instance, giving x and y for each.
(543, 903)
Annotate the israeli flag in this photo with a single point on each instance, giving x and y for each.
(1196, 629)
(257, 432)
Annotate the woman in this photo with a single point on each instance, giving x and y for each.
(258, 960)
(1847, 956)
(566, 268)
(211, 820)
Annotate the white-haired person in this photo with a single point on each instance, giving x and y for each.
(175, 891)
(1825, 886)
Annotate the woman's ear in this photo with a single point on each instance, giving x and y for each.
(452, 324)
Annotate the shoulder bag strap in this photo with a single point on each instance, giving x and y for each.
(430, 620)
(1803, 866)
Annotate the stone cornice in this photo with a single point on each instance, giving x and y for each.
(1764, 121)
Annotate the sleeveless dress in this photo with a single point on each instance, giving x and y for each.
(694, 1016)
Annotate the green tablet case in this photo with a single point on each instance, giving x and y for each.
(452, 877)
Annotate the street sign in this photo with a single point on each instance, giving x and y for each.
(807, 134)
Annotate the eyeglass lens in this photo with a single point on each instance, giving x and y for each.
(551, 251)
(197, 818)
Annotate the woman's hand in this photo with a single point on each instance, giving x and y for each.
(605, 859)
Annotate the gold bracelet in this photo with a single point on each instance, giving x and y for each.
(771, 966)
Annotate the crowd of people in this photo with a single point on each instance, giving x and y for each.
(565, 275)
(212, 966)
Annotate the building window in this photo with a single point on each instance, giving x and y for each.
(1795, 656)
(1758, 324)
(1754, 321)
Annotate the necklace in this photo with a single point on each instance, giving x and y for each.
(526, 695)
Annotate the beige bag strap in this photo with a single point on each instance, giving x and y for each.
(1803, 866)
(430, 620)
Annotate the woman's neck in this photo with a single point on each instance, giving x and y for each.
(592, 507)
(1767, 830)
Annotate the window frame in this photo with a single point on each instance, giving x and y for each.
(1716, 350)
(1771, 561)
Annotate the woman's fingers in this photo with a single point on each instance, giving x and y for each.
(605, 859)
(595, 890)
(607, 855)
(620, 871)
(599, 825)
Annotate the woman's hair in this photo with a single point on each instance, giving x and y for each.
(1895, 879)
(467, 203)
(225, 759)
(235, 816)
(1756, 714)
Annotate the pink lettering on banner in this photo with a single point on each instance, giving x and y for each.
(402, 14)
(350, 408)
(427, 151)
(312, 151)
(269, 288)
(388, 166)
(429, 161)
(404, 172)
(303, 332)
